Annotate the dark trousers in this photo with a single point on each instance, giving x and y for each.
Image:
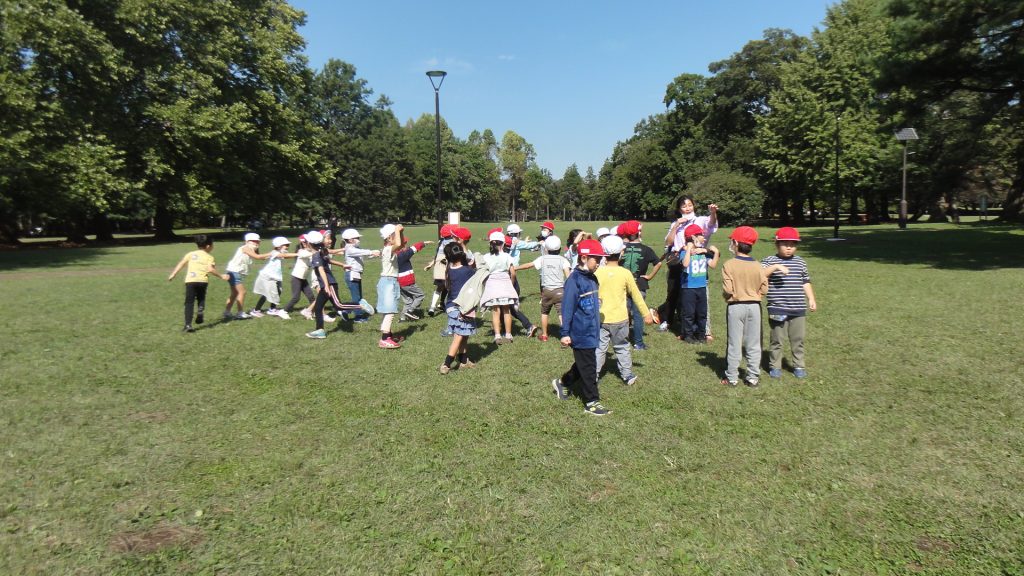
(694, 305)
(670, 308)
(519, 313)
(318, 306)
(300, 286)
(581, 378)
(638, 320)
(195, 293)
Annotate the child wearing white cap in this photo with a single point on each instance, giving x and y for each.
(237, 269)
(387, 287)
(553, 269)
(268, 282)
(499, 293)
(354, 273)
(616, 284)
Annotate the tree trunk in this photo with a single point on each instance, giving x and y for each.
(854, 208)
(1013, 207)
(163, 220)
(104, 231)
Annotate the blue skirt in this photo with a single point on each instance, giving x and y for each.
(387, 295)
(459, 324)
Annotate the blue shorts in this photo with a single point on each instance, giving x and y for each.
(234, 278)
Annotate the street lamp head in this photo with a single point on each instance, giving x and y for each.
(439, 75)
(904, 134)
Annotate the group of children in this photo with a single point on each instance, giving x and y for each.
(596, 286)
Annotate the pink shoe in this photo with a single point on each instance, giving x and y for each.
(388, 343)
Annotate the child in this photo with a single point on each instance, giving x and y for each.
(553, 269)
(412, 294)
(693, 299)
(581, 329)
(790, 296)
(547, 228)
(462, 325)
(387, 286)
(637, 257)
(268, 283)
(200, 264)
(300, 285)
(354, 274)
(675, 241)
(439, 264)
(237, 269)
(515, 248)
(616, 285)
(321, 263)
(744, 282)
(499, 292)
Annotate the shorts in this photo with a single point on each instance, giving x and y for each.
(234, 278)
(550, 298)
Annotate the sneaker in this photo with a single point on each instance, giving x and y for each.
(640, 346)
(361, 320)
(329, 319)
(272, 312)
(199, 318)
(663, 327)
(388, 343)
(431, 312)
(529, 332)
(498, 340)
(508, 338)
(446, 333)
(398, 338)
(255, 313)
(411, 316)
(317, 334)
(631, 380)
(188, 328)
(752, 382)
(800, 373)
(306, 314)
(283, 315)
(730, 383)
(367, 307)
(444, 369)
(559, 389)
(775, 373)
(468, 364)
(596, 409)
(242, 316)
(543, 337)
(227, 316)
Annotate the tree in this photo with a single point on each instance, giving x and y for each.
(515, 156)
(738, 196)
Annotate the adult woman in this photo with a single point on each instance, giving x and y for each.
(675, 241)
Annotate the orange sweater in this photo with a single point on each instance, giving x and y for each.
(743, 280)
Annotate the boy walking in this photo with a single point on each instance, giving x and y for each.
(744, 283)
(200, 265)
(617, 284)
(637, 257)
(412, 294)
(790, 296)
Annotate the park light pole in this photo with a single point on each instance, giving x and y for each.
(905, 135)
(436, 79)
(835, 186)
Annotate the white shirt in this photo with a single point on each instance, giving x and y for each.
(301, 263)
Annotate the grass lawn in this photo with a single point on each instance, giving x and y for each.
(245, 448)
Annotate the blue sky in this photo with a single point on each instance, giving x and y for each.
(573, 78)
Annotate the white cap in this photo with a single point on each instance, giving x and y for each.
(612, 245)
(495, 236)
(552, 243)
(252, 237)
(314, 237)
(514, 229)
(602, 232)
(387, 231)
(279, 241)
(614, 230)
(351, 233)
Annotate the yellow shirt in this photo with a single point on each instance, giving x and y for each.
(614, 284)
(199, 262)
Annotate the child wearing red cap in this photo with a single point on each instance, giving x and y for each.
(440, 295)
(696, 258)
(790, 296)
(744, 283)
(637, 257)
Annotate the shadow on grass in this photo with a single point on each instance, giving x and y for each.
(967, 247)
(712, 361)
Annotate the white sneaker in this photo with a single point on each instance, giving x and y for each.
(255, 313)
(329, 319)
(663, 327)
(272, 312)
(282, 314)
(306, 314)
(242, 316)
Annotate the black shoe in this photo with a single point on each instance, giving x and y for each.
(188, 328)
(199, 318)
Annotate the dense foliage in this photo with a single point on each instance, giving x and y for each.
(138, 114)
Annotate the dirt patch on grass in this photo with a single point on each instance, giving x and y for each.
(163, 535)
(932, 544)
(607, 490)
(153, 417)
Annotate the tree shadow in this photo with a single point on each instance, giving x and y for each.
(47, 257)
(965, 247)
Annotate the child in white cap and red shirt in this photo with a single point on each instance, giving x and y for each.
(790, 296)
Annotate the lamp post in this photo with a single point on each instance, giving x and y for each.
(835, 204)
(905, 135)
(436, 79)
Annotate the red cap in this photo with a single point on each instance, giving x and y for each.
(787, 233)
(508, 240)
(493, 230)
(462, 233)
(446, 231)
(549, 225)
(325, 233)
(693, 230)
(744, 234)
(302, 237)
(629, 228)
(590, 247)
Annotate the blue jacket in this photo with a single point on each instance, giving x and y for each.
(581, 310)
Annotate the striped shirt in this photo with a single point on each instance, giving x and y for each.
(786, 293)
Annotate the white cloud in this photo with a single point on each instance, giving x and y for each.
(506, 57)
(448, 64)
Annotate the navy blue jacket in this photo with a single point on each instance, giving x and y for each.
(581, 310)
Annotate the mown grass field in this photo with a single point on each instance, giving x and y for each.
(245, 448)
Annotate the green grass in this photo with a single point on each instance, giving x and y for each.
(245, 448)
